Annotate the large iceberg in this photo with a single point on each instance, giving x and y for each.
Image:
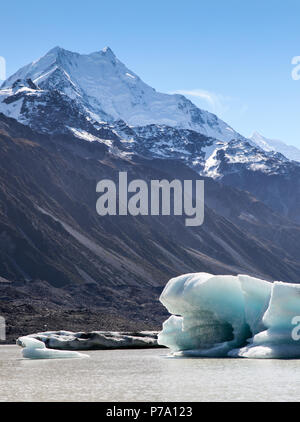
(231, 316)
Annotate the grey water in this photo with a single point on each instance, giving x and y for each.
(145, 375)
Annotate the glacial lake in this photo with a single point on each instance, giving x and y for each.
(145, 375)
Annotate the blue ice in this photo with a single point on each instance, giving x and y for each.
(231, 316)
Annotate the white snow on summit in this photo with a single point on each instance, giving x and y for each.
(290, 151)
(109, 91)
(98, 99)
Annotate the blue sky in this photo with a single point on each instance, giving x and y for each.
(231, 57)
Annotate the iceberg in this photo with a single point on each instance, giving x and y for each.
(231, 316)
(35, 349)
(96, 340)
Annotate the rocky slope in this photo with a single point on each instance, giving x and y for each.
(59, 254)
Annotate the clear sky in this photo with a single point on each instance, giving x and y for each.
(231, 57)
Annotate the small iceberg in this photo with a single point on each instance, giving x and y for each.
(231, 316)
(35, 349)
(97, 340)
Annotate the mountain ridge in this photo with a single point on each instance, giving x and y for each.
(267, 144)
(109, 91)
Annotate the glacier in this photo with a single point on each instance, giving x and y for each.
(36, 349)
(231, 316)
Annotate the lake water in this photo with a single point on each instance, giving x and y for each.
(146, 375)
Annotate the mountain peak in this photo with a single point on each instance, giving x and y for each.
(108, 91)
(108, 51)
(255, 134)
(55, 49)
(290, 151)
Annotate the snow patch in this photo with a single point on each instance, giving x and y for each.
(82, 134)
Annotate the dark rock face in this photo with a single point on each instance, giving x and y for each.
(281, 192)
(49, 222)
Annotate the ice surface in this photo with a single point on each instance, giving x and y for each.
(35, 349)
(236, 316)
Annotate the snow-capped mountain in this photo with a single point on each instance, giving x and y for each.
(97, 118)
(231, 157)
(96, 98)
(290, 151)
(105, 90)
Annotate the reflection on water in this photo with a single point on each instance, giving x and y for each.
(146, 375)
